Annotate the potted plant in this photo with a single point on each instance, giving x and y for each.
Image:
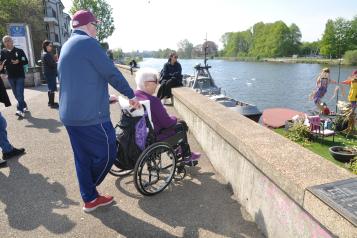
(343, 153)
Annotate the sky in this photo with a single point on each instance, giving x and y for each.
(159, 24)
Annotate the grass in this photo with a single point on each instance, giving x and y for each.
(320, 146)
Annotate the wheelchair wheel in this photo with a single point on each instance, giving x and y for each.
(155, 168)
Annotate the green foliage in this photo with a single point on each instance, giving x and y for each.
(263, 40)
(118, 54)
(339, 36)
(28, 11)
(310, 48)
(353, 166)
(341, 123)
(185, 49)
(350, 57)
(103, 12)
(299, 133)
(162, 53)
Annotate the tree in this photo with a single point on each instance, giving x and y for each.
(310, 48)
(24, 11)
(102, 10)
(185, 49)
(339, 36)
(295, 39)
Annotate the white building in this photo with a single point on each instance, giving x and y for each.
(57, 22)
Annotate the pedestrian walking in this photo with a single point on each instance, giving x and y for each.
(15, 60)
(84, 72)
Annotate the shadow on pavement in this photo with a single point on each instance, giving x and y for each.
(30, 200)
(127, 225)
(51, 124)
(200, 202)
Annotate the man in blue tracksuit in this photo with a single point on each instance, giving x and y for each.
(84, 72)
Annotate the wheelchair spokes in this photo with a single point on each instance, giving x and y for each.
(155, 168)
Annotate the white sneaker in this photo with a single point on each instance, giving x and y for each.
(163, 101)
(20, 114)
(26, 109)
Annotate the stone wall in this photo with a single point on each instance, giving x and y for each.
(268, 173)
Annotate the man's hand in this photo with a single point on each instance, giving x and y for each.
(113, 99)
(134, 103)
(15, 61)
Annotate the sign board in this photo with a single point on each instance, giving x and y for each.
(340, 196)
(20, 34)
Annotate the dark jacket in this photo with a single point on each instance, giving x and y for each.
(4, 98)
(172, 71)
(49, 65)
(14, 70)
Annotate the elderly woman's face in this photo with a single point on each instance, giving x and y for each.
(150, 86)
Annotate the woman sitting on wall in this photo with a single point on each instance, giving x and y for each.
(165, 125)
(171, 76)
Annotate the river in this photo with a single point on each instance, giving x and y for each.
(266, 85)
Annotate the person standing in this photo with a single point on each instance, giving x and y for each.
(322, 82)
(14, 64)
(49, 66)
(171, 76)
(8, 151)
(84, 72)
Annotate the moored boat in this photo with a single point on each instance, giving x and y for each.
(203, 83)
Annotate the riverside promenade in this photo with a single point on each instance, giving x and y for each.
(39, 194)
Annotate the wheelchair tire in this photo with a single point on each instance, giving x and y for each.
(155, 168)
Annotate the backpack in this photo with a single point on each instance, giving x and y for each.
(133, 135)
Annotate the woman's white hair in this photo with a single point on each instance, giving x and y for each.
(143, 75)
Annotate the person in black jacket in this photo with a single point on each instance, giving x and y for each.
(15, 60)
(171, 76)
(49, 67)
(8, 150)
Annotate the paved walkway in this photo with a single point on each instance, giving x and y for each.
(39, 195)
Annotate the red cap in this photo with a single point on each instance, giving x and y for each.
(82, 17)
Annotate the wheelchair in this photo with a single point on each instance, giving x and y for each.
(158, 164)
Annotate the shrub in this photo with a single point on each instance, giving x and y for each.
(350, 57)
(299, 133)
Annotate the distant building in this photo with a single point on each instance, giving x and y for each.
(57, 22)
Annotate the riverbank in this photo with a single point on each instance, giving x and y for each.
(289, 60)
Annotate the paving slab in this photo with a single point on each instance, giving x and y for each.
(39, 194)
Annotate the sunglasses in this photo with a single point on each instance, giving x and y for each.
(152, 81)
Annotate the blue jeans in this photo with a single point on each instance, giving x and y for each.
(51, 82)
(4, 143)
(17, 86)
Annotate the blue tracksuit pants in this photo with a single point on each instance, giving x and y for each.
(94, 149)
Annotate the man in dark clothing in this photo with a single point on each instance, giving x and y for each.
(8, 150)
(171, 77)
(15, 59)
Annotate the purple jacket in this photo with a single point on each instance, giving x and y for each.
(160, 118)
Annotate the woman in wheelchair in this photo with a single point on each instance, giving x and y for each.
(165, 126)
